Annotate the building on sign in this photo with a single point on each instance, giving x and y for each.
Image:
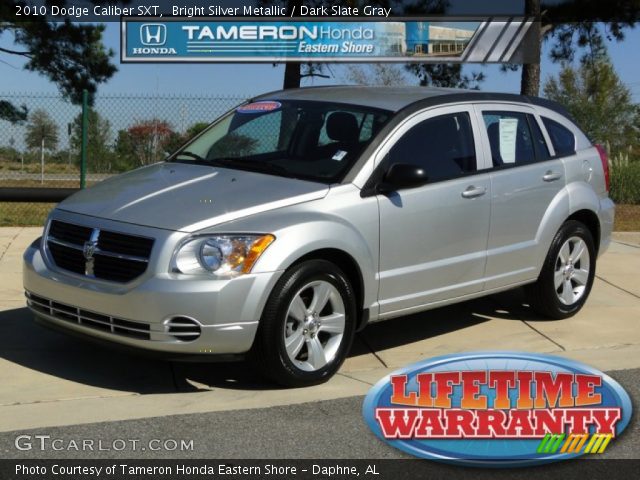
(424, 38)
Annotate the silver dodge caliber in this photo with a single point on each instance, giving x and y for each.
(301, 216)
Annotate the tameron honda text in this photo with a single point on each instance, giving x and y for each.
(498, 409)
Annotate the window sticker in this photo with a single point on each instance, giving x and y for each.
(259, 107)
(339, 155)
(508, 130)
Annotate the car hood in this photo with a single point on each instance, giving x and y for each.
(178, 196)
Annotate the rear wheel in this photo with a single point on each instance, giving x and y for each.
(567, 275)
(308, 325)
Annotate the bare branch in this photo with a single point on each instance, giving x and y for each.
(16, 52)
(314, 75)
(544, 29)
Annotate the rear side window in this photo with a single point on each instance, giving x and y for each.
(443, 146)
(510, 138)
(563, 140)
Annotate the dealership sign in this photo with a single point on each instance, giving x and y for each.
(498, 409)
(260, 40)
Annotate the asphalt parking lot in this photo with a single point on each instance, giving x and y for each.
(328, 429)
(50, 380)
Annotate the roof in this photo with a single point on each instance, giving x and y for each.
(386, 98)
(397, 98)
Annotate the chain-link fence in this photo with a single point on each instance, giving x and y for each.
(123, 132)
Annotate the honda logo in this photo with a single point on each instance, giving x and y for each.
(153, 34)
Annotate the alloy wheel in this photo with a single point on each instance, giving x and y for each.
(571, 273)
(315, 326)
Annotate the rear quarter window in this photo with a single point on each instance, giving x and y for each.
(562, 139)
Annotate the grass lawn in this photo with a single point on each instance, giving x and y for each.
(30, 214)
(12, 183)
(627, 218)
(24, 214)
(34, 167)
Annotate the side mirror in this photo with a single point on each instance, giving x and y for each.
(402, 175)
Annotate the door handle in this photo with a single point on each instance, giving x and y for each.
(551, 176)
(473, 192)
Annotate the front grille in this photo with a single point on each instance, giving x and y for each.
(69, 232)
(98, 253)
(67, 258)
(86, 318)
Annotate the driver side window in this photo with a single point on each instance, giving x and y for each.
(443, 146)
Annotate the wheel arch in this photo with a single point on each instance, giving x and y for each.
(351, 269)
(577, 201)
(590, 220)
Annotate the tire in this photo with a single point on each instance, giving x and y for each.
(307, 326)
(565, 281)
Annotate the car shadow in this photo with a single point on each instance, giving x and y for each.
(504, 306)
(30, 345)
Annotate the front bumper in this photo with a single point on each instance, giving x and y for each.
(227, 310)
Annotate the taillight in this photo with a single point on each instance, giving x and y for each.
(604, 158)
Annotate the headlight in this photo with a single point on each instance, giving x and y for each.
(223, 255)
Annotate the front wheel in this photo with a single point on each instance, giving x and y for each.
(567, 274)
(307, 326)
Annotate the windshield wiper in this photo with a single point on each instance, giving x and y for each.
(192, 155)
(241, 163)
(261, 166)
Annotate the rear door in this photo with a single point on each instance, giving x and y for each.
(525, 179)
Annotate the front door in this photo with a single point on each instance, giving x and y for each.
(433, 238)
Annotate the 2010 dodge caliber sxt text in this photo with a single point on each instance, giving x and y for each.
(302, 215)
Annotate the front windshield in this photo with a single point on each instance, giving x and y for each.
(317, 141)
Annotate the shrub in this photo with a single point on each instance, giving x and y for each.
(625, 183)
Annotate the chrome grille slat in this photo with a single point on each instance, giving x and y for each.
(184, 329)
(98, 253)
(64, 243)
(40, 304)
(92, 320)
(69, 313)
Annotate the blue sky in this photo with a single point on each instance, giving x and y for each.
(251, 79)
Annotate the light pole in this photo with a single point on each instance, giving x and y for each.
(42, 159)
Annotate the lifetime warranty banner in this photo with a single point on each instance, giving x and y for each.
(344, 40)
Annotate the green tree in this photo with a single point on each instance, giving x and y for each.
(445, 75)
(11, 113)
(195, 129)
(387, 74)
(558, 25)
(42, 134)
(99, 153)
(147, 140)
(175, 140)
(124, 158)
(600, 103)
(71, 55)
